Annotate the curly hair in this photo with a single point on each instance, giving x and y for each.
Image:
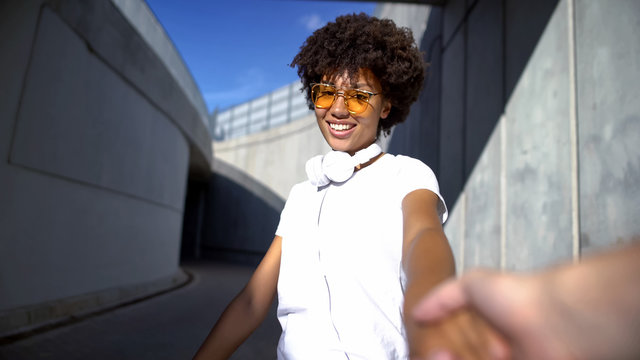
(359, 41)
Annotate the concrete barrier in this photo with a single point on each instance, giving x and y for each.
(99, 137)
(528, 120)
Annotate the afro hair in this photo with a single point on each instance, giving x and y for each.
(359, 41)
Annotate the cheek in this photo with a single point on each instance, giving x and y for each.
(320, 114)
(371, 121)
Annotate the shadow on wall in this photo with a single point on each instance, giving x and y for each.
(232, 217)
(476, 51)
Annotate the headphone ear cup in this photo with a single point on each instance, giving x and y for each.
(314, 171)
(338, 166)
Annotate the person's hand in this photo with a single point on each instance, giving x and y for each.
(462, 334)
(514, 305)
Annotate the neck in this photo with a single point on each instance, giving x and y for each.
(367, 156)
(373, 159)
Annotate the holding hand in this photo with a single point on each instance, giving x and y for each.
(462, 335)
(585, 311)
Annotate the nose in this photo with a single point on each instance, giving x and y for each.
(339, 106)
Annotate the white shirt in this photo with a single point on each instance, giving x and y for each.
(341, 283)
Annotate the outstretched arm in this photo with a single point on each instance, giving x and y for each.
(246, 311)
(426, 258)
(586, 311)
(428, 261)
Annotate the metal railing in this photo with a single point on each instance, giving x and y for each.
(276, 108)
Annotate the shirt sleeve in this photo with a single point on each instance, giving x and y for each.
(414, 175)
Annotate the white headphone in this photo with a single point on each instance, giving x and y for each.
(338, 166)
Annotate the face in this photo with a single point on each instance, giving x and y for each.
(349, 132)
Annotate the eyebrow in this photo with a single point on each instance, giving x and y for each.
(366, 86)
(358, 86)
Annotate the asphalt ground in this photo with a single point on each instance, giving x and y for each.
(167, 326)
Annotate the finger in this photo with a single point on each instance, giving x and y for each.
(484, 339)
(491, 343)
(470, 333)
(441, 355)
(440, 302)
(499, 349)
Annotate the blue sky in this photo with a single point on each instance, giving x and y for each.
(239, 50)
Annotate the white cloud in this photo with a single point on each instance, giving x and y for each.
(312, 22)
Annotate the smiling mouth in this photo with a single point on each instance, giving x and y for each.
(341, 127)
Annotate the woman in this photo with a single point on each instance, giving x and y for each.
(361, 241)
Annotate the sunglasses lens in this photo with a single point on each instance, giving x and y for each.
(323, 95)
(357, 101)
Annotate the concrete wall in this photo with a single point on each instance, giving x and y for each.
(98, 138)
(240, 218)
(528, 119)
(252, 179)
(275, 158)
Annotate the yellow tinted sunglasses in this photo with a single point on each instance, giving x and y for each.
(356, 101)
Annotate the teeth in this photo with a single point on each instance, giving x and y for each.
(340, 127)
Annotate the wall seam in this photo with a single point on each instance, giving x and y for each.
(503, 192)
(136, 86)
(503, 144)
(463, 230)
(573, 133)
(25, 77)
(97, 187)
(465, 40)
(504, 52)
(468, 10)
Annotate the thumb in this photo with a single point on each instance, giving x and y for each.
(441, 301)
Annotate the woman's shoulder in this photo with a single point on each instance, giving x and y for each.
(403, 164)
(301, 189)
(413, 174)
(410, 172)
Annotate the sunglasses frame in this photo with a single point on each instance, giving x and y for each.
(341, 92)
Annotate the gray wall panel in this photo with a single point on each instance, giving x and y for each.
(524, 23)
(538, 159)
(73, 113)
(608, 71)
(454, 12)
(95, 166)
(419, 135)
(14, 61)
(452, 120)
(67, 239)
(484, 78)
(566, 178)
(483, 223)
(455, 232)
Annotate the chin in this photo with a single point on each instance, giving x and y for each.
(349, 145)
(338, 147)
(344, 147)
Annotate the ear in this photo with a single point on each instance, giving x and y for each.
(386, 109)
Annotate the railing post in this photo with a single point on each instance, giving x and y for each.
(248, 124)
(289, 103)
(269, 100)
(213, 122)
(231, 128)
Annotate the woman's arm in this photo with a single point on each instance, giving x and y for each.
(247, 310)
(427, 261)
